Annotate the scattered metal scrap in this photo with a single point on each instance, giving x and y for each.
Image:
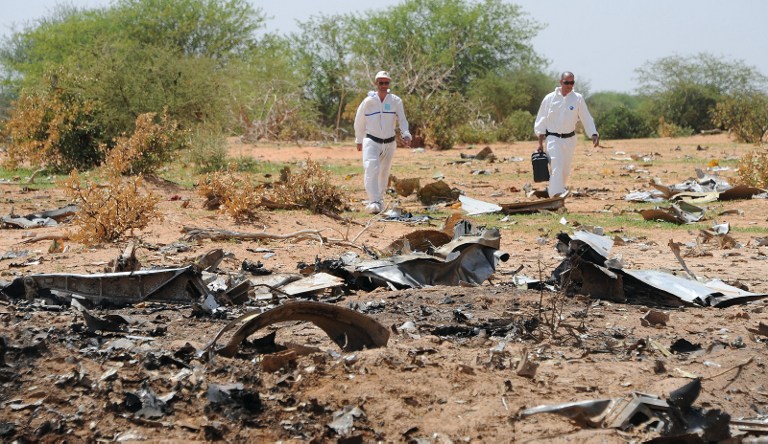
(545, 204)
(175, 285)
(484, 154)
(474, 206)
(465, 260)
(437, 192)
(678, 213)
(405, 187)
(349, 329)
(585, 270)
(49, 218)
(706, 188)
(672, 417)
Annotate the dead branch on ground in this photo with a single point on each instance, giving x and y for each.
(43, 237)
(193, 233)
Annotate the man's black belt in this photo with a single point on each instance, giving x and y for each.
(562, 136)
(377, 140)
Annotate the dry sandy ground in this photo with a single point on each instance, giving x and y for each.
(60, 383)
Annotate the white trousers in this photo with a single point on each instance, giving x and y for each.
(560, 156)
(377, 161)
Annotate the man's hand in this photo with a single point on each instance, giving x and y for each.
(359, 146)
(541, 142)
(407, 142)
(595, 140)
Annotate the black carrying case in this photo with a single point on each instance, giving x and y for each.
(540, 162)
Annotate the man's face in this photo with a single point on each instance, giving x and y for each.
(566, 84)
(382, 85)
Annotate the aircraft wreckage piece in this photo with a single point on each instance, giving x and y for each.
(671, 417)
(50, 218)
(713, 293)
(349, 329)
(468, 259)
(585, 269)
(179, 285)
(548, 204)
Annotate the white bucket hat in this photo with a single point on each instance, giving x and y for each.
(382, 75)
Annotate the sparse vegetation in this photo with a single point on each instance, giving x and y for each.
(310, 187)
(151, 145)
(53, 129)
(232, 193)
(111, 211)
(753, 169)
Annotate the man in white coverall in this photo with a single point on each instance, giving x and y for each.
(556, 122)
(375, 137)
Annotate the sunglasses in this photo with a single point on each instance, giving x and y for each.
(383, 83)
(569, 83)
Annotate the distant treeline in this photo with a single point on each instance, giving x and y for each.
(77, 80)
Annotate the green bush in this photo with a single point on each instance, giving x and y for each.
(438, 117)
(744, 115)
(668, 129)
(207, 151)
(623, 123)
(477, 131)
(517, 127)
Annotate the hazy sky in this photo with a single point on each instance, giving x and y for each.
(601, 41)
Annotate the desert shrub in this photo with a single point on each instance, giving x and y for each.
(517, 127)
(230, 193)
(55, 130)
(623, 123)
(744, 115)
(281, 117)
(477, 131)
(107, 213)
(244, 164)
(438, 117)
(669, 129)
(309, 187)
(207, 151)
(151, 145)
(753, 169)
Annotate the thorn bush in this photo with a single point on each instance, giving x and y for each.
(152, 144)
(753, 169)
(231, 193)
(108, 212)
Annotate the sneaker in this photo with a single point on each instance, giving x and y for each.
(373, 208)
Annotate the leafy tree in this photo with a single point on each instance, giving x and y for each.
(432, 48)
(323, 54)
(684, 90)
(437, 119)
(602, 102)
(622, 122)
(434, 45)
(744, 115)
(219, 29)
(500, 94)
(267, 96)
(137, 57)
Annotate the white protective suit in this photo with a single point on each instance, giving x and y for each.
(377, 118)
(559, 114)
